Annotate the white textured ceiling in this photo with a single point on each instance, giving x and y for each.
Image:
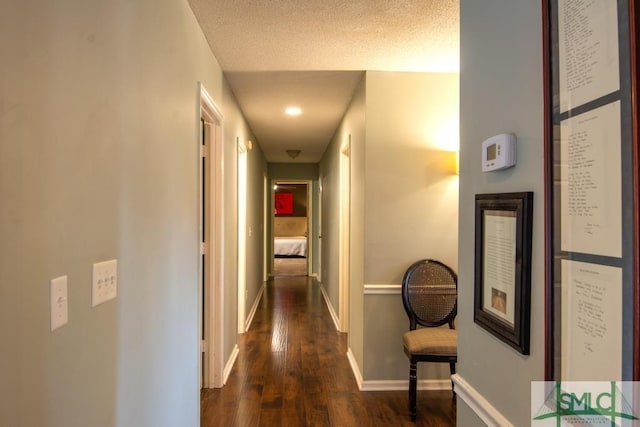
(312, 53)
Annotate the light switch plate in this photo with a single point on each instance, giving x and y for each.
(104, 282)
(59, 302)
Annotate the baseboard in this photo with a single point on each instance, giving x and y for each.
(355, 368)
(478, 404)
(229, 364)
(327, 301)
(252, 313)
(392, 385)
(395, 385)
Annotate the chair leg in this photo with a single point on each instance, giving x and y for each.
(413, 385)
(452, 368)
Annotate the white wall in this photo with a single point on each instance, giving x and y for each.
(99, 160)
(501, 90)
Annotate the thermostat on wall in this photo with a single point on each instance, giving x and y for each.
(499, 152)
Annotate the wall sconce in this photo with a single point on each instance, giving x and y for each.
(452, 159)
(244, 147)
(457, 162)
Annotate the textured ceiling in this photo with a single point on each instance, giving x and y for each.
(312, 53)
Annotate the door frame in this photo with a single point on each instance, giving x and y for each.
(344, 251)
(310, 234)
(319, 222)
(212, 311)
(242, 190)
(265, 233)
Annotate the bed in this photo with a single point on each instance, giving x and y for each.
(290, 247)
(290, 237)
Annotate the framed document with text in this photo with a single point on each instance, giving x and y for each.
(591, 190)
(503, 266)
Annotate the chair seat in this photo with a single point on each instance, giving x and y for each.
(434, 341)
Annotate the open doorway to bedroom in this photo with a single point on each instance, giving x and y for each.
(291, 228)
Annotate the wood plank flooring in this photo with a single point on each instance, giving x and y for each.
(290, 266)
(292, 370)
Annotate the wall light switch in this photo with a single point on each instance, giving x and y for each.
(59, 302)
(104, 282)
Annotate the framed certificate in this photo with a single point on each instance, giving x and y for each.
(503, 266)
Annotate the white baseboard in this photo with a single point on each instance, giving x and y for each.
(481, 406)
(252, 313)
(392, 385)
(327, 301)
(395, 385)
(229, 365)
(355, 368)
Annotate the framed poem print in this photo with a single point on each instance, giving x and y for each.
(592, 293)
(502, 303)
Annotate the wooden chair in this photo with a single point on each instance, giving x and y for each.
(429, 295)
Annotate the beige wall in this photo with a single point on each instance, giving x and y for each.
(257, 171)
(99, 160)
(352, 126)
(403, 203)
(232, 127)
(235, 130)
(411, 197)
(501, 90)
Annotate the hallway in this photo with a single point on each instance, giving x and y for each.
(292, 370)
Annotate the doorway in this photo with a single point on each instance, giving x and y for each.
(292, 233)
(210, 257)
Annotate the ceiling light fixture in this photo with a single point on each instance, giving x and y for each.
(293, 153)
(293, 111)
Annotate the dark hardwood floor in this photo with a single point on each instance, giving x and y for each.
(292, 370)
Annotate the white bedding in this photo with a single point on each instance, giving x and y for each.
(290, 246)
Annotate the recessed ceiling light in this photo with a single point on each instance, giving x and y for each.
(293, 111)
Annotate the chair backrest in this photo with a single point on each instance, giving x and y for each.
(430, 294)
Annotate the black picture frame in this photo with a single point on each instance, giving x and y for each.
(503, 236)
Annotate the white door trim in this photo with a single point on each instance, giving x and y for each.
(310, 235)
(265, 234)
(213, 310)
(344, 251)
(242, 233)
(319, 222)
